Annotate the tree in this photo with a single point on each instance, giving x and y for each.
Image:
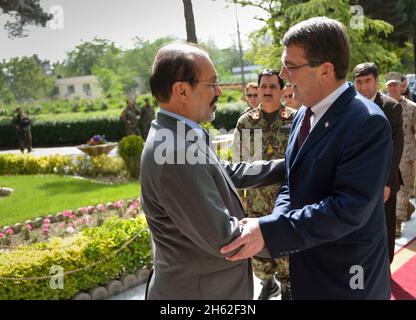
(137, 62)
(190, 21)
(26, 78)
(366, 41)
(24, 12)
(401, 14)
(98, 52)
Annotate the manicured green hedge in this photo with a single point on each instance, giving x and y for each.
(226, 116)
(102, 254)
(66, 132)
(17, 164)
(62, 133)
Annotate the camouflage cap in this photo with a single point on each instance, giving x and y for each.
(393, 77)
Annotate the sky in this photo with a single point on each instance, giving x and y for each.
(122, 20)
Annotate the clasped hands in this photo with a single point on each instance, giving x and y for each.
(250, 241)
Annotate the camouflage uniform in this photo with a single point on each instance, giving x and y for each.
(408, 157)
(147, 114)
(129, 116)
(23, 125)
(261, 201)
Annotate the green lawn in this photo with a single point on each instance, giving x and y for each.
(37, 195)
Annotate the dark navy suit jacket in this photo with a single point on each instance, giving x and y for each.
(329, 215)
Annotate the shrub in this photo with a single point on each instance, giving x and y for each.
(53, 133)
(130, 150)
(226, 116)
(15, 164)
(92, 257)
(230, 96)
(101, 165)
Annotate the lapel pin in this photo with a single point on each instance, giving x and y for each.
(326, 124)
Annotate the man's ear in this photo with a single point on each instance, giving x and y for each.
(181, 90)
(327, 70)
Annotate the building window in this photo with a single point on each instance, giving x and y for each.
(86, 89)
(70, 89)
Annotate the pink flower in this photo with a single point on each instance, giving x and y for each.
(1, 235)
(46, 229)
(101, 207)
(67, 213)
(83, 210)
(47, 221)
(62, 225)
(29, 227)
(70, 229)
(119, 204)
(72, 216)
(9, 231)
(133, 206)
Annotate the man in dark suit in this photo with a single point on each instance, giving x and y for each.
(329, 215)
(366, 83)
(188, 195)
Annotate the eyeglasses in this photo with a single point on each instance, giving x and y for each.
(254, 95)
(291, 69)
(213, 85)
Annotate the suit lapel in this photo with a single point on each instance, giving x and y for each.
(211, 157)
(293, 139)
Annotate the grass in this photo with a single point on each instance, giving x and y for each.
(38, 195)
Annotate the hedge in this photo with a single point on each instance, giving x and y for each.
(227, 115)
(65, 133)
(100, 254)
(17, 164)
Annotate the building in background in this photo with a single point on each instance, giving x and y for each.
(83, 87)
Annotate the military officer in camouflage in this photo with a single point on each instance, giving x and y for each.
(252, 97)
(129, 117)
(147, 114)
(395, 88)
(274, 122)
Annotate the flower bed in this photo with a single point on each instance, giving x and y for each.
(64, 224)
(91, 258)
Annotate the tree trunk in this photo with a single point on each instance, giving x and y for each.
(190, 22)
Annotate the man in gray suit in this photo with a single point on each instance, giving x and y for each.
(189, 197)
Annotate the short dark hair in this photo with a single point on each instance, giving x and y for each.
(268, 73)
(324, 40)
(171, 65)
(365, 69)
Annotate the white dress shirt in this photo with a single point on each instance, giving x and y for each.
(322, 106)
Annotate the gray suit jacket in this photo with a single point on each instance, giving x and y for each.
(192, 211)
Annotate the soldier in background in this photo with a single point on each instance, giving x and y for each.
(23, 125)
(289, 99)
(252, 97)
(275, 122)
(129, 116)
(147, 114)
(405, 88)
(404, 207)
